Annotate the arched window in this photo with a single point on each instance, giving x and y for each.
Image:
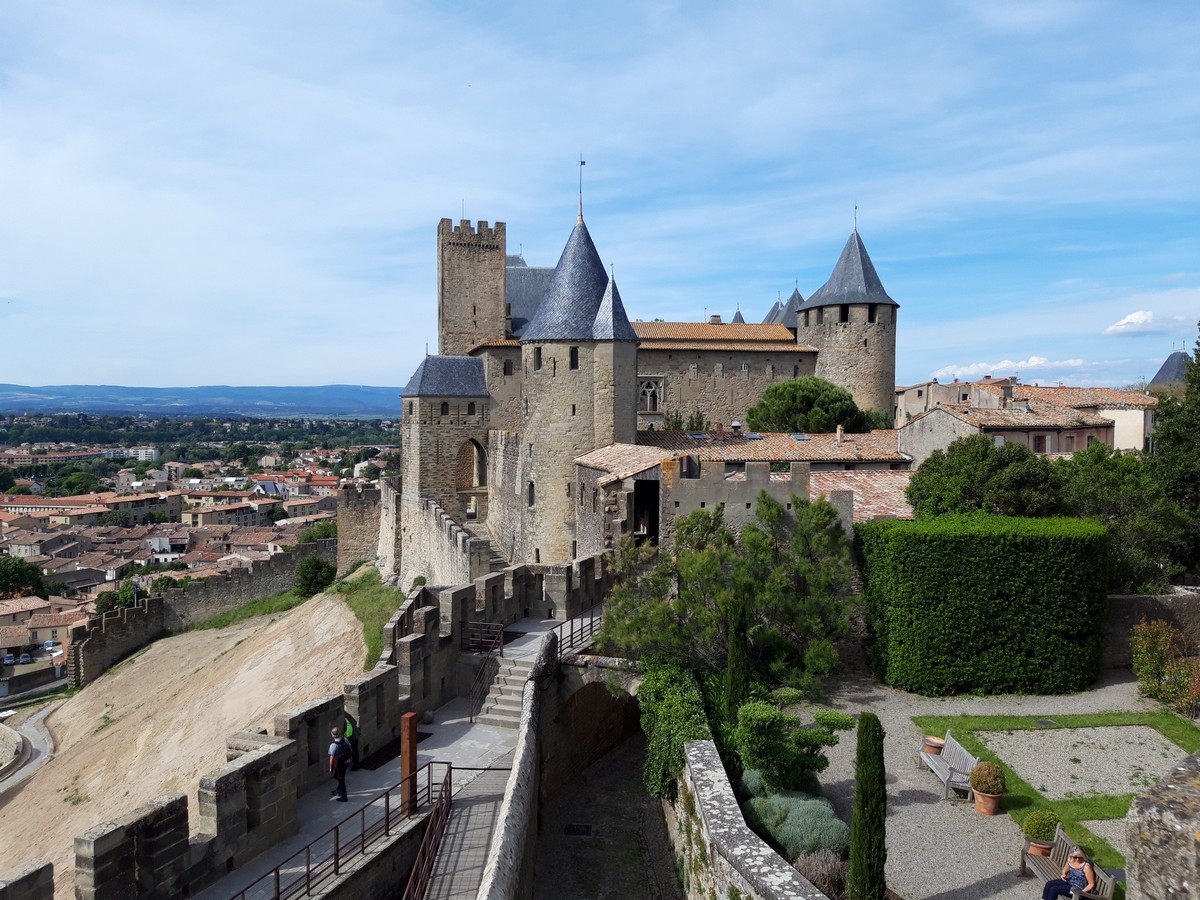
(445, 408)
(508, 367)
(529, 495)
(574, 355)
(651, 396)
(471, 409)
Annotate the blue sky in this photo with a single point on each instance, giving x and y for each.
(247, 193)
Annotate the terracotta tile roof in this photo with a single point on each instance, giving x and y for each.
(22, 605)
(13, 635)
(694, 332)
(877, 446)
(623, 460)
(732, 346)
(54, 620)
(877, 495)
(1039, 415)
(1086, 398)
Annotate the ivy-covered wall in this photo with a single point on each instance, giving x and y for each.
(984, 604)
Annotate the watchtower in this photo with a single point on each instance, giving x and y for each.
(471, 299)
(851, 321)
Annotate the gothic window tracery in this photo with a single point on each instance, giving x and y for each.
(650, 394)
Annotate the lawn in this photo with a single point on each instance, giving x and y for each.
(1021, 798)
(374, 603)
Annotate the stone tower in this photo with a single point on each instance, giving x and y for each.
(579, 355)
(851, 321)
(471, 298)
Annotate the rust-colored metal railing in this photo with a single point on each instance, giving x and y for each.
(309, 871)
(487, 640)
(422, 871)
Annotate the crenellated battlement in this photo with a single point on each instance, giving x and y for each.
(480, 236)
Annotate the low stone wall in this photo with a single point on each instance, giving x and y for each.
(1163, 834)
(1125, 610)
(718, 849)
(27, 681)
(146, 850)
(310, 729)
(33, 881)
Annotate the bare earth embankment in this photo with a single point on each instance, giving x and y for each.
(158, 721)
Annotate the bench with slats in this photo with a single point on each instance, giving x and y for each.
(953, 766)
(1050, 867)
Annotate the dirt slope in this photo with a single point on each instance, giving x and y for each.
(158, 721)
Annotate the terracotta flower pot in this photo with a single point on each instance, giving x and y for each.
(933, 745)
(987, 804)
(1039, 848)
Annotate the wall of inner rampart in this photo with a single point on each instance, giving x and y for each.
(358, 525)
(471, 289)
(506, 506)
(32, 881)
(102, 640)
(387, 551)
(436, 548)
(1162, 831)
(736, 497)
(722, 384)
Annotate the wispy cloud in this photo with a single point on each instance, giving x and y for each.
(1005, 367)
(1140, 322)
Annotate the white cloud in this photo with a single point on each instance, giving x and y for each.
(1140, 322)
(1008, 367)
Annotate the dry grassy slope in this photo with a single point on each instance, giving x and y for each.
(157, 722)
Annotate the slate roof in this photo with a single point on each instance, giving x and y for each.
(575, 296)
(737, 318)
(447, 376)
(854, 280)
(611, 323)
(1173, 370)
(524, 288)
(787, 315)
(772, 316)
(876, 446)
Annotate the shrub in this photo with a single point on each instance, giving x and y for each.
(752, 781)
(313, 575)
(1181, 685)
(1154, 644)
(797, 824)
(672, 714)
(984, 604)
(1040, 825)
(778, 746)
(868, 837)
(987, 778)
(824, 870)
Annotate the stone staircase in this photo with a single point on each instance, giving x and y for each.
(496, 561)
(502, 706)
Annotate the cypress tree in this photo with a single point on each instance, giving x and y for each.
(868, 837)
(737, 659)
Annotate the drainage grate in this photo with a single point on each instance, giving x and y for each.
(1047, 723)
(574, 829)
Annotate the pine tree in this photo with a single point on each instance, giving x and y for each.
(868, 836)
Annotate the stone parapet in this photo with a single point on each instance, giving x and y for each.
(310, 728)
(143, 854)
(1162, 831)
(32, 881)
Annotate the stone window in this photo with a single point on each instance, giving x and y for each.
(920, 393)
(445, 408)
(719, 370)
(529, 495)
(537, 359)
(1070, 442)
(1091, 439)
(745, 368)
(410, 407)
(568, 489)
(796, 369)
(998, 440)
(843, 314)
(693, 371)
(470, 409)
(573, 355)
(873, 313)
(806, 318)
(572, 409)
(820, 315)
(650, 394)
(508, 367)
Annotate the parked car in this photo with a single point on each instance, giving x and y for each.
(25, 659)
(9, 659)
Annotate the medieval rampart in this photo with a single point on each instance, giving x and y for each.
(387, 546)
(506, 476)
(1162, 832)
(358, 525)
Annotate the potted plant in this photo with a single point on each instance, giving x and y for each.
(1040, 827)
(987, 784)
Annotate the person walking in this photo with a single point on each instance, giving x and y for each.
(339, 756)
(352, 737)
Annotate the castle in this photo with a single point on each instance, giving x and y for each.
(524, 428)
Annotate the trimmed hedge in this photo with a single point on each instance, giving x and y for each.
(984, 604)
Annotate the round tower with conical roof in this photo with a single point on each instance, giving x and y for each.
(579, 355)
(851, 322)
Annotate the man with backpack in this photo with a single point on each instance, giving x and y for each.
(339, 758)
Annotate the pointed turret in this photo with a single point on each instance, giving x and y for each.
(787, 315)
(773, 313)
(854, 279)
(573, 297)
(1173, 370)
(611, 323)
(737, 317)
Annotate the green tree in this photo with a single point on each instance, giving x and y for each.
(868, 824)
(124, 597)
(192, 472)
(1147, 529)
(6, 480)
(313, 575)
(974, 474)
(1175, 460)
(322, 531)
(783, 751)
(810, 404)
(19, 578)
(371, 471)
(113, 517)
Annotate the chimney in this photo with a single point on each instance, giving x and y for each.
(714, 320)
(736, 426)
(720, 431)
(840, 434)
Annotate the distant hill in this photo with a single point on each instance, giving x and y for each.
(210, 400)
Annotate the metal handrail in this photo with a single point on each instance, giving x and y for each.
(306, 871)
(579, 631)
(489, 648)
(435, 828)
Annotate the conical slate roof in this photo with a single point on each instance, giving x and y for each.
(787, 315)
(448, 376)
(854, 280)
(773, 313)
(611, 323)
(1173, 370)
(573, 298)
(737, 317)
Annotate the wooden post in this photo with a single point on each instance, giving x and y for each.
(408, 763)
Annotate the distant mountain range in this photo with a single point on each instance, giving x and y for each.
(210, 400)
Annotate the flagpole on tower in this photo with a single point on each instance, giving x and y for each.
(582, 163)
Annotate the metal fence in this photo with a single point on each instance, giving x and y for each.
(580, 631)
(422, 871)
(309, 871)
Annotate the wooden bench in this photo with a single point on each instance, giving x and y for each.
(1050, 867)
(953, 766)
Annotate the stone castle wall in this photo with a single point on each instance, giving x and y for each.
(436, 548)
(507, 462)
(714, 381)
(433, 443)
(387, 549)
(471, 291)
(1162, 831)
(858, 355)
(713, 490)
(358, 524)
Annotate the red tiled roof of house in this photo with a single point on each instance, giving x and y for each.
(623, 460)
(22, 605)
(55, 620)
(1039, 415)
(877, 495)
(13, 635)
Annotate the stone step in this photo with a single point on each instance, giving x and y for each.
(499, 721)
(512, 713)
(502, 701)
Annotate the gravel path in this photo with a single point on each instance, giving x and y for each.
(942, 849)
